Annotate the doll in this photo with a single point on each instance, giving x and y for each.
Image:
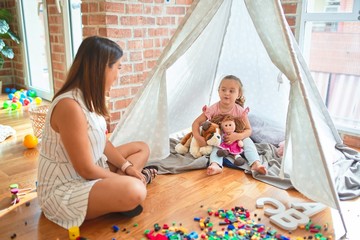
(228, 125)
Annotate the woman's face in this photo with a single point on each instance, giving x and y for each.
(111, 74)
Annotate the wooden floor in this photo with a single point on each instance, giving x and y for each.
(172, 199)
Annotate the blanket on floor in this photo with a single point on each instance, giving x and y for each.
(346, 168)
(177, 163)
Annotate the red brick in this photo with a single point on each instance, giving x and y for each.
(133, 8)
(136, 56)
(175, 10)
(289, 8)
(97, 20)
(119, 92)
(121, 104)
(148, 43)
(112, 7)
(135, 44)
(118, 33)
(157, 10)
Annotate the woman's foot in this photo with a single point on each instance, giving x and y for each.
(213, 169)
(150, 172)
(257, 167)
(133, 213)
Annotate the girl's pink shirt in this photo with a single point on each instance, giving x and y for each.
(213, 110)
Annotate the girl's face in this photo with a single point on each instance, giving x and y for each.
(228, 126)
(111, 74)
(229, 91)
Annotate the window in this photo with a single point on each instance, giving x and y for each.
(330, 41)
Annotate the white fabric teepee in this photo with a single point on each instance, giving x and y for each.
(249, 39)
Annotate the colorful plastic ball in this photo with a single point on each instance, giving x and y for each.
(7, 90)
(38, 100)
(15, 99)
(19, 105)
(17, 94)
(30, 141)
(13, 90)
(14, 106)
(32, 93)
(10, 96)
(26, 102)
(6, 105)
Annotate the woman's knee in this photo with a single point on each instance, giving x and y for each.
(136, 191)
(144, 148)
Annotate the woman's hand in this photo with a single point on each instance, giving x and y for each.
(131, 171)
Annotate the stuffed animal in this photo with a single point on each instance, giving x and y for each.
(229, 124)
(210, 131)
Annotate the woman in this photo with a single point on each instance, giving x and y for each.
(81, 175)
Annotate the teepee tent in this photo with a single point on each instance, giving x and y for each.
(249, 39)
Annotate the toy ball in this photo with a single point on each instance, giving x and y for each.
(10, 96)
(7, 90)
(14, 106)
(26, 102)
(15, 99)
(38, 100)
(19, 105)
(30, 141)
(6, 105)
(13, 90)
(32, 93)
(17, 94)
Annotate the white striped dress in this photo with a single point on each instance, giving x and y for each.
(62, 192)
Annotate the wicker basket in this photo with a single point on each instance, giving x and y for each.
(37, 117)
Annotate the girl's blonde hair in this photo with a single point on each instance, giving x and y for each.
(240, 100)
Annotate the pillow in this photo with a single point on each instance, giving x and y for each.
(266, 131)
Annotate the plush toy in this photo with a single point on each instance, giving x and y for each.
(229, 124)
(210, 131)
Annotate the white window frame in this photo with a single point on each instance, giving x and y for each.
(304, 44)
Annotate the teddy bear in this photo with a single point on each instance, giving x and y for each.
(210, 131)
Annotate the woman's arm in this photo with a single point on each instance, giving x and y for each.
(69, 121)
(113, 155)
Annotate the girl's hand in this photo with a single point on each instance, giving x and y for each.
(131, 171)
(231, 137)
(201, 141)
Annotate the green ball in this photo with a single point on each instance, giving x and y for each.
(5, 105)
(14, 106)
(32, 93)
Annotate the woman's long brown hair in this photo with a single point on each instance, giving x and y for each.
(87, 73)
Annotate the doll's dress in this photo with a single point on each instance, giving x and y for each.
(233, 148)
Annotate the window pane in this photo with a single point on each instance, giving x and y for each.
(333, 49)
(330, 6)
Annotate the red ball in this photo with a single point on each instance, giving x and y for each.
(26, 102)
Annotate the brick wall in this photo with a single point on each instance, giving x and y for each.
(291, 8)
(57, 45)
(142, 29)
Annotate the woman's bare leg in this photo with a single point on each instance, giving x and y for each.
(117, 194)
